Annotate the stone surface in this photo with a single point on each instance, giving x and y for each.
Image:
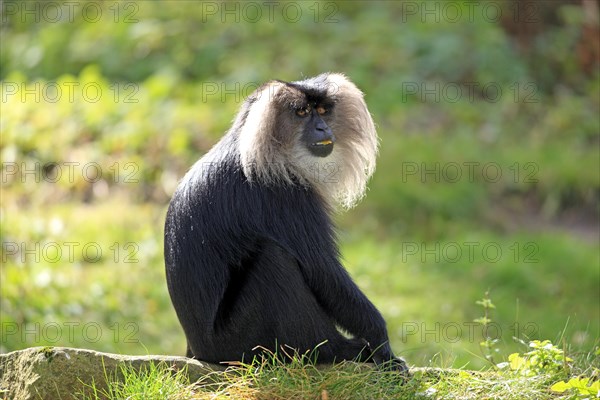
(63, 373)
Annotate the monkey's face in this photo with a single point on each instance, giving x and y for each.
(315, 132)
(305, 119)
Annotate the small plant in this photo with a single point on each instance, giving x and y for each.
(488, 345)
(545, 358)
(578, 385)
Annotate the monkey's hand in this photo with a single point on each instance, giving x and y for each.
(397, 364)
(385, 359)
(392, 364)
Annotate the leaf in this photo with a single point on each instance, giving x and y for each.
(595, 388)
(581, 384)
(516, 361)
(560, 387)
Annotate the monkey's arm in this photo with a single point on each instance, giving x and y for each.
(343, 301)
(349, 307)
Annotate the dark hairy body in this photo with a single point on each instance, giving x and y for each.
(253, 265)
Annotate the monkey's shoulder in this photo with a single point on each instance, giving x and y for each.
(219, 188)
(224, 180)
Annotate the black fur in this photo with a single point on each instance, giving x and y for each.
(251, 265)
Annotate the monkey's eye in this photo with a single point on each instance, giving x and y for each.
(303, 112)
(321, 110)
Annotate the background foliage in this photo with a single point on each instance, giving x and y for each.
(488, 175)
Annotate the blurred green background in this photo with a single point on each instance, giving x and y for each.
(487, 179)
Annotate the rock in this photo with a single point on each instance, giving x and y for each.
(65, 373)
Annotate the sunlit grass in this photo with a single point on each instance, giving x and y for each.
(298, 378)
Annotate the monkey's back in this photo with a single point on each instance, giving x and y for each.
(217, 219)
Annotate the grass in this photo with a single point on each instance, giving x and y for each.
(427, 314)
(300, 379)
(154, 381)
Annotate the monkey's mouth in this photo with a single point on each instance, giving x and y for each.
(321, 148)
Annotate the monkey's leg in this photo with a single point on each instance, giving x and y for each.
(292, 314)
(267, 305)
